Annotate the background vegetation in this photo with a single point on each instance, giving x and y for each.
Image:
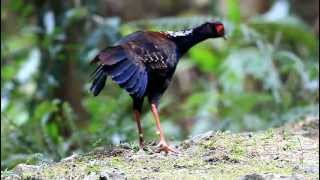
(265, 74)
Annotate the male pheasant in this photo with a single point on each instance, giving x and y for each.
(143, 64)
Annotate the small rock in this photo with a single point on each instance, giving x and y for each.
(177, 166)
(103, 178)
(24, 168)
(155, 169)
(186, 144)
(10, 176)
(270, 177)
(104, 175)
(207, 135)
(91, 176)
(70, 158)
(115, 174)
(311, 169)
(252, 177)
(211, 159)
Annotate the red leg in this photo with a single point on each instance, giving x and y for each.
(137, 117)
(162, 144)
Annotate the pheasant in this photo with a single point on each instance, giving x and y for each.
(143, 64)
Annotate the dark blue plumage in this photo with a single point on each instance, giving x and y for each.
(144, 62)
(125, 75)
(144, 56)
(142, 84)
(134, 89)
(132, 81)
(118, 69)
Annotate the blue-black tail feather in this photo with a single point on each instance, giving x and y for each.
(98, 83)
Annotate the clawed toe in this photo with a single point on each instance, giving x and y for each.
(163, 146)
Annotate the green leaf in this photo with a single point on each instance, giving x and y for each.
(234, 10)
(204, 57)
(52, 130)
(43, 109)
(8, 72)
(247, 101)
(292, 31)
(15, 5)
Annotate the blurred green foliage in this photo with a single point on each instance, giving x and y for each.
(264, 75)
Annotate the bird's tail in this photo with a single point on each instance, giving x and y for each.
(99, 77)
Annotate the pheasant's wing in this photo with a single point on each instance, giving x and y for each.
(134, 57)
(147, 53)
(123, 69)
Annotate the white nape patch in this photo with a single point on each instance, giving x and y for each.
(179, 33)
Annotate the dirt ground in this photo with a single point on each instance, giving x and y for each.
(288, 152)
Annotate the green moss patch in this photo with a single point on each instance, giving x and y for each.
(211, 155)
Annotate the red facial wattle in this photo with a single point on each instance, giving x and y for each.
(220, 29)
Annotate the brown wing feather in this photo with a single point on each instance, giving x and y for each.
(153, 49)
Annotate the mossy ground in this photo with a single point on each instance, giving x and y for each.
(215, 155)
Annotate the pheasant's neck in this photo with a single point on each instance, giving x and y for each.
(186, 39)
